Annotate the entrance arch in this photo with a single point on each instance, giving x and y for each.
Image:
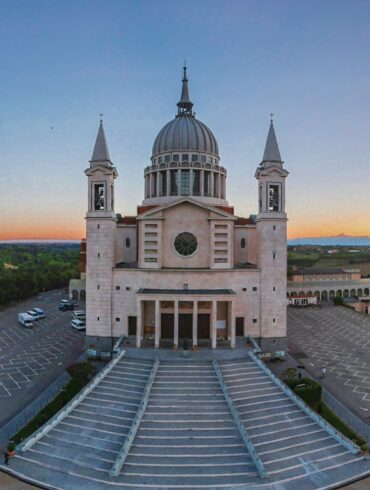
(324, 296)
(366, 292)
(339, 293)
(331, 295)
(82, 295)
(346, 293)
(359, 292)
(75, 295)
(352, 293)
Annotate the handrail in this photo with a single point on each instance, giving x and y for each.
(116, 348)
(257, 348)
(243, 432)
(76, 400)
(123, 453)
(349, 445)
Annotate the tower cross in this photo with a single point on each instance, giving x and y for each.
(101, 117)
(272, 116)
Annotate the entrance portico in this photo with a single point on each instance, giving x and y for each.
(179, 313)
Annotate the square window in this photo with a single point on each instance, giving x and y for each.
(194, 158)
(176, 158)
(244, 289)
(128, 288)
(254, 289)
(274, 288)
(118, 288)
(254, 320)
(118, 319)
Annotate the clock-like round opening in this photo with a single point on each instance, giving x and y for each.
(185, 244)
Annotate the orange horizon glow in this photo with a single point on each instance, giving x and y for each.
(76, 231)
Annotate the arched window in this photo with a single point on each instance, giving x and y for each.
(242, 242)
(128, 242)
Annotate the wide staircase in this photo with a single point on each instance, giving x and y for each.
(187, 435)
(196, 426)
(289, 442)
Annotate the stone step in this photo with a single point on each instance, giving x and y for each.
(186, 440)
(103, 448)
(276, 433)
(187, 424)
(173, 433)
(292, 449)
(97, 434)
(263, 444)
(226, 449)
(180, 459)
(193, 471)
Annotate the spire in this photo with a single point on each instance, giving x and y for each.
(185, 105)
(100, 153)
(271, 153)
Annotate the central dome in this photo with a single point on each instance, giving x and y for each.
(185, 133)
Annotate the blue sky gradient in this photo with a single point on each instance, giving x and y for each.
(65, 62)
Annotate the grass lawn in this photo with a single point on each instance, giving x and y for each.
(326, 413)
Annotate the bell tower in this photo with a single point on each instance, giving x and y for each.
(100, 246)
(272, 246)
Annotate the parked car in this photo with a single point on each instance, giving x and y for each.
(80, 314)
(63, 307)
(78, 324)
(33, 315)
(25, 320)
(67, 305)
(39, 312)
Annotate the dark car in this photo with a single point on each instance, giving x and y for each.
(63, 307)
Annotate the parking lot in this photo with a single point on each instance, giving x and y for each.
(338, 339)
(30, 359)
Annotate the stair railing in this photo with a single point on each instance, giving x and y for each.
(123, 453)
(243, 432)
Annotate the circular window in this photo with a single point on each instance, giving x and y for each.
(185, 244)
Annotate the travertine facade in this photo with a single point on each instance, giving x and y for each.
(186, 266)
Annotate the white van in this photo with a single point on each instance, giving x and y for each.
(25, 320)
(78, 324)
(80, 314)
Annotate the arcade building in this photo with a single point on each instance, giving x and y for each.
(186, 266)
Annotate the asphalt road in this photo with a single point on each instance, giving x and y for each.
(30, 359)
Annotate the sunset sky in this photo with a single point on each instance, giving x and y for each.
(62, 63)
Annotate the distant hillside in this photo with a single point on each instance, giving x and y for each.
(332, 241)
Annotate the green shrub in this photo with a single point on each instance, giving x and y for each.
(307, 389)
(290, 374)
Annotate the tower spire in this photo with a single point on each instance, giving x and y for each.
(100, 153)
(272, 152)
(185, 106)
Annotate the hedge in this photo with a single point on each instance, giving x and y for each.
(306, 388)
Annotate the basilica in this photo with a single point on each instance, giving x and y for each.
(186, 267)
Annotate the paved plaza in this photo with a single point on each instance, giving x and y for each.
(338, 339)
(30, 359)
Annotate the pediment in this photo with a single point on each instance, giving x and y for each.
(160, 210)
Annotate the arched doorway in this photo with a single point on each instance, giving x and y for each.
(339, 293)
(359, 292)
(75, 295)
(310, 293)
(366, 292)
(346, 293)
(352, 293)
(317, 293)
(82, 295)
(324, 296)
(331, 295)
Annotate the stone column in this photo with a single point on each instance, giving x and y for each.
(168, 186)
(158, 176)
(191, 174)
(214, 324)
(202, 182)
(232, 323)
(212, 184)
(179, 182)
(176, 325)
(219, 186)
(195, 323)
(150, 184)
(157, 331)
(139, 322)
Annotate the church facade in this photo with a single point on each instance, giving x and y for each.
(186, 266)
